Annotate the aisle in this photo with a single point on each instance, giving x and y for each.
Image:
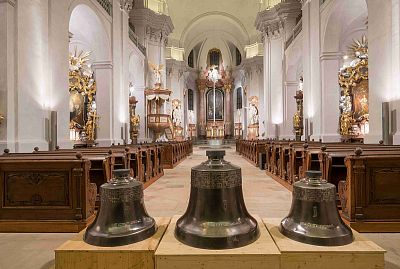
(263, 196)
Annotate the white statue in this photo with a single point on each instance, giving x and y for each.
(191, 116)
(156, 72)
(213, 74)
(177, 116)
(253, 113)
(239, 115)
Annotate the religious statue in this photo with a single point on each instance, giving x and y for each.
(191, 117)
(177, 116)
(156, 72)
(253, 112)
(213, 74)
(239, 114)
(296, 120)
(135, 120)
(364, 105)
(345, 123)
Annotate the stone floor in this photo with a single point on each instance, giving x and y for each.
(169, 196)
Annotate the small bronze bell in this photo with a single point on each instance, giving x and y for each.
(122, 218)
(216, 217)
(314, 218)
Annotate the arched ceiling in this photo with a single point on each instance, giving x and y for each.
(209, 19)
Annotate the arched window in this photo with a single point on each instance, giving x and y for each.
(239, 98)
(190, 99)
(214, 57)
(191, 60)
(238, 57)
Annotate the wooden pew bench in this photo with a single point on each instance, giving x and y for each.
(45, 194)
(370, 194)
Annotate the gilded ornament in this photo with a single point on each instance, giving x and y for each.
(81, 81)
(135, 120)
(353, 79)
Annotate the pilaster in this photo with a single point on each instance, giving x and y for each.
(276, 24)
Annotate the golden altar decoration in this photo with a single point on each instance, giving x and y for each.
(82, 89)
(134, 119)
(298, 125)
(215, 123)
(354, 95)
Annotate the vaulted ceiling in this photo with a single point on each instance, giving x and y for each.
(230, 20)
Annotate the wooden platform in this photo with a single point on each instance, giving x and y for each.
(374, 226)
(44, 226)
(361, 254)
(75, 253)
(171, 254)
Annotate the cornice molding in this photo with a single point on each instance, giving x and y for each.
(102, 65)
(11, 2)
(331, 56)
(158, 26)
(271, 22)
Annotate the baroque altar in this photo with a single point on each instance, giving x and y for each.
(215, 118)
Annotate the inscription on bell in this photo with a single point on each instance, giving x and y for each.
(216, 217)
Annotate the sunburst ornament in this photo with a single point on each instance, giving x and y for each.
(360, 48)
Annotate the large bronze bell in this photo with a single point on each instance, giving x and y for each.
(216, 217)
(314, 218)
(122, 218)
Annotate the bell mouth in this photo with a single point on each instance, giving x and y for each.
(316, 234)
(121, 236)
(217, 235)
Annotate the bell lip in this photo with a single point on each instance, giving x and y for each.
(317, 241)
(217, 243)
(126, 239)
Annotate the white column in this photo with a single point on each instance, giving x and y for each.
(103, 72)
(311, 66)
(290, 106)
(7, 75)
(120, 59)
(273, 83)
(141, 111)
(380, 64)
(58, 69)
(330, 64)
(33, 97)
(269, 131)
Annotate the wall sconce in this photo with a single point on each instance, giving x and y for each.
(2, 118)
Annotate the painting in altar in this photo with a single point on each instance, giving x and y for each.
(219, 105)
(77, 109)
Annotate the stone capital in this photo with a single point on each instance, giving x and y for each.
(126, 5)
(11, 2)
(272, 22)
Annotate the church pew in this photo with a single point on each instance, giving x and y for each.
(370, 194)
(332, 159)
(45, 193)
(253, 151)
(174, 152)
